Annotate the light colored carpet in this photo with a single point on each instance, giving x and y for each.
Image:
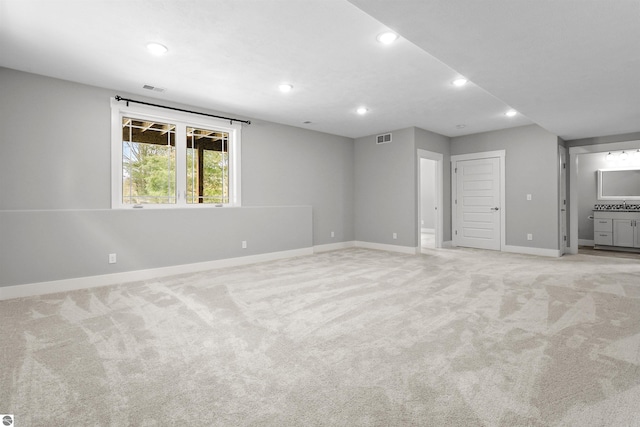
(456, 337)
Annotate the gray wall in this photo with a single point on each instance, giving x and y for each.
(588, 191)
(531, 168)
(603, 139)
(385, 199)
(283, 166)
(45, 245)
(55, 171)
(55, 142)
(386, 182)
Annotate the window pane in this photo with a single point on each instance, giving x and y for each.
(148, 162)
(207, 166)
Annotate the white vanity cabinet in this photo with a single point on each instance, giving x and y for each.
(616, 229)
(602, 230)
(624, 233)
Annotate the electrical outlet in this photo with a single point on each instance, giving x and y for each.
(395, 235)
(333, 234)
(244, 244)
(528, 196)
(529, 236)
(112, 258)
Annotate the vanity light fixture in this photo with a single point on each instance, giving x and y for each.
(362, 110)
(387, 37)
(157, 48)
(511, 113)
(460, 82)
(285, 87)
(624, 155)
(609, 157)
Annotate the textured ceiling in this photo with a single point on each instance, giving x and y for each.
(566, 65)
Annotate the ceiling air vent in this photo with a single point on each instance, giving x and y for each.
(153, 88)
(383, 139)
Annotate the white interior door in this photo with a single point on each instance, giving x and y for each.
(477, 203)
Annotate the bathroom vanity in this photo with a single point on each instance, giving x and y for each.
(617, 227)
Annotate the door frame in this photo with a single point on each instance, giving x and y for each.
(574, 156)
(454, 190)
(563, 203)
(439, 186)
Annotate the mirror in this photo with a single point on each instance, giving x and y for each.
(619, 184)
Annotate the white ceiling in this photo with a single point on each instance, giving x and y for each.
(570, 66)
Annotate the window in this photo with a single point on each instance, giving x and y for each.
(148, 162)
(207, 166)
(164, 159)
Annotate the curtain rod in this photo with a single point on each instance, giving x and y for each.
(127, 100)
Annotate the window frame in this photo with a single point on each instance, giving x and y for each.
(182, 120)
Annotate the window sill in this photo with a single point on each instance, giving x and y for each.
(159, 206)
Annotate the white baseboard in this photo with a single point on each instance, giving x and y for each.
(390, 248)
(585, 242)
(531, 251)
(333, 246)
(42, 288)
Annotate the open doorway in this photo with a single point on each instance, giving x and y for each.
(584, 161)
(430, 219)
(428, 203)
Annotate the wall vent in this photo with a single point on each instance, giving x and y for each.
(153, 88)
(383, 139)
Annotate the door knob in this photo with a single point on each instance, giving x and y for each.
(494, 209)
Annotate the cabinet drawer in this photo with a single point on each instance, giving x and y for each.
(602, 238)
(605, 225)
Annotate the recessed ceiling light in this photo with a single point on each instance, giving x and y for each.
(461, 126)
(285, 87)
(362, 110)
(460, 82)
(157, 48)
(511, 113)
(387, 38)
